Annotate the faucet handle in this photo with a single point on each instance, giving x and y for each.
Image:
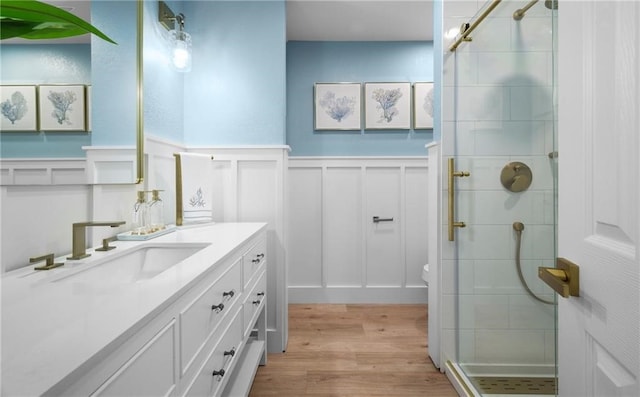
(105, 244)
(49, 263)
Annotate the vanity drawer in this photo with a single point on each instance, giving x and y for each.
(255, 301)
(200, 319)
(252, 259)
(216, 370)
(150, 372)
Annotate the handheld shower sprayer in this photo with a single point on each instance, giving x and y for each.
(519, 227)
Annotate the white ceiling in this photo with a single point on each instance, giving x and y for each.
(324, 20)
(359, 20)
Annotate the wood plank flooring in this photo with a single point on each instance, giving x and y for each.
(355, 351)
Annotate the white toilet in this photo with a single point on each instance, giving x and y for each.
(425, 274)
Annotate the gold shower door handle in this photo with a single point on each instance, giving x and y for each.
(452, 174)
(564, 279)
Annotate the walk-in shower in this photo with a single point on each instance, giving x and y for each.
(499, 108)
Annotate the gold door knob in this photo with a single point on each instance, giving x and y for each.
(564, 279)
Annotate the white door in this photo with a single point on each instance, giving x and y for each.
(599, 195)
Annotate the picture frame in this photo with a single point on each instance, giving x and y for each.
(387, 106)
(62, 108)
(337, 106)
(19, 108)
(423, 105)
(88, 101)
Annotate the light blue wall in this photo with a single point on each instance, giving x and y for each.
(438, 61)
(235, 93)
(311, 62)
(44, 64)
(163, 86)
(114, 73)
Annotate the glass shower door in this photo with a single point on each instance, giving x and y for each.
(503, 191)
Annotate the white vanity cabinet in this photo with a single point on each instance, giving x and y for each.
(205, 338)
(233, 354)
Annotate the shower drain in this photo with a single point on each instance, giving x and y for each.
(514, 385)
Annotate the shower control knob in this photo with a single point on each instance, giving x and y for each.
(516, 177)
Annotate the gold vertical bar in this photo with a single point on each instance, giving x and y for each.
(139, 102)
(451, 194)
(179, 215)
(451, 197)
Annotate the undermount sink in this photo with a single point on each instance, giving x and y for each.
(135, 264)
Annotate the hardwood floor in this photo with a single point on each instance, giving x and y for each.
(355, 351)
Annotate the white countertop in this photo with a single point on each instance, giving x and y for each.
(49, 329)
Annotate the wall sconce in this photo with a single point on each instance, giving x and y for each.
(179, 40)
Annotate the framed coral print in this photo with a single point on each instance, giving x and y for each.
(87, 102)
(337, 106)
(62, 108)
(422, 106)
(19, 108)
(387, 106)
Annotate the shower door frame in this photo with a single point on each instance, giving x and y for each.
(466, 186)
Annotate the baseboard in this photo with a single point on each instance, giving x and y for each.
(380, 295)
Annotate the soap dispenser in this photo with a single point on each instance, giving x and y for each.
(140, 216)
(156, 212)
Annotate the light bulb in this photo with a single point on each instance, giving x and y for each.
(181, 51)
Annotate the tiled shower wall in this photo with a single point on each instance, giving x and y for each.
(497, 108)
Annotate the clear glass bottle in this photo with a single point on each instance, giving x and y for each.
(156, 212)
(140, 216)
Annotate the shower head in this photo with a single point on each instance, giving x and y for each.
(551, 4)
(518, 226)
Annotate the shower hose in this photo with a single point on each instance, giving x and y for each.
(519, 227)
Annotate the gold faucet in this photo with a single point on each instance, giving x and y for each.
(79, 237)
(49, 264)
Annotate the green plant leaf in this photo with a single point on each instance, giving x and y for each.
(13, 28)
(46, 17)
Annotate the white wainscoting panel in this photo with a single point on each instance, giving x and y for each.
(36, 220)
(342, 224)
(336, 253)
(384, 260)
(305, 192)
(416, 222)
(111, 164)
(42, 171)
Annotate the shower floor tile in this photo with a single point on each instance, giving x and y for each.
(514, 385)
